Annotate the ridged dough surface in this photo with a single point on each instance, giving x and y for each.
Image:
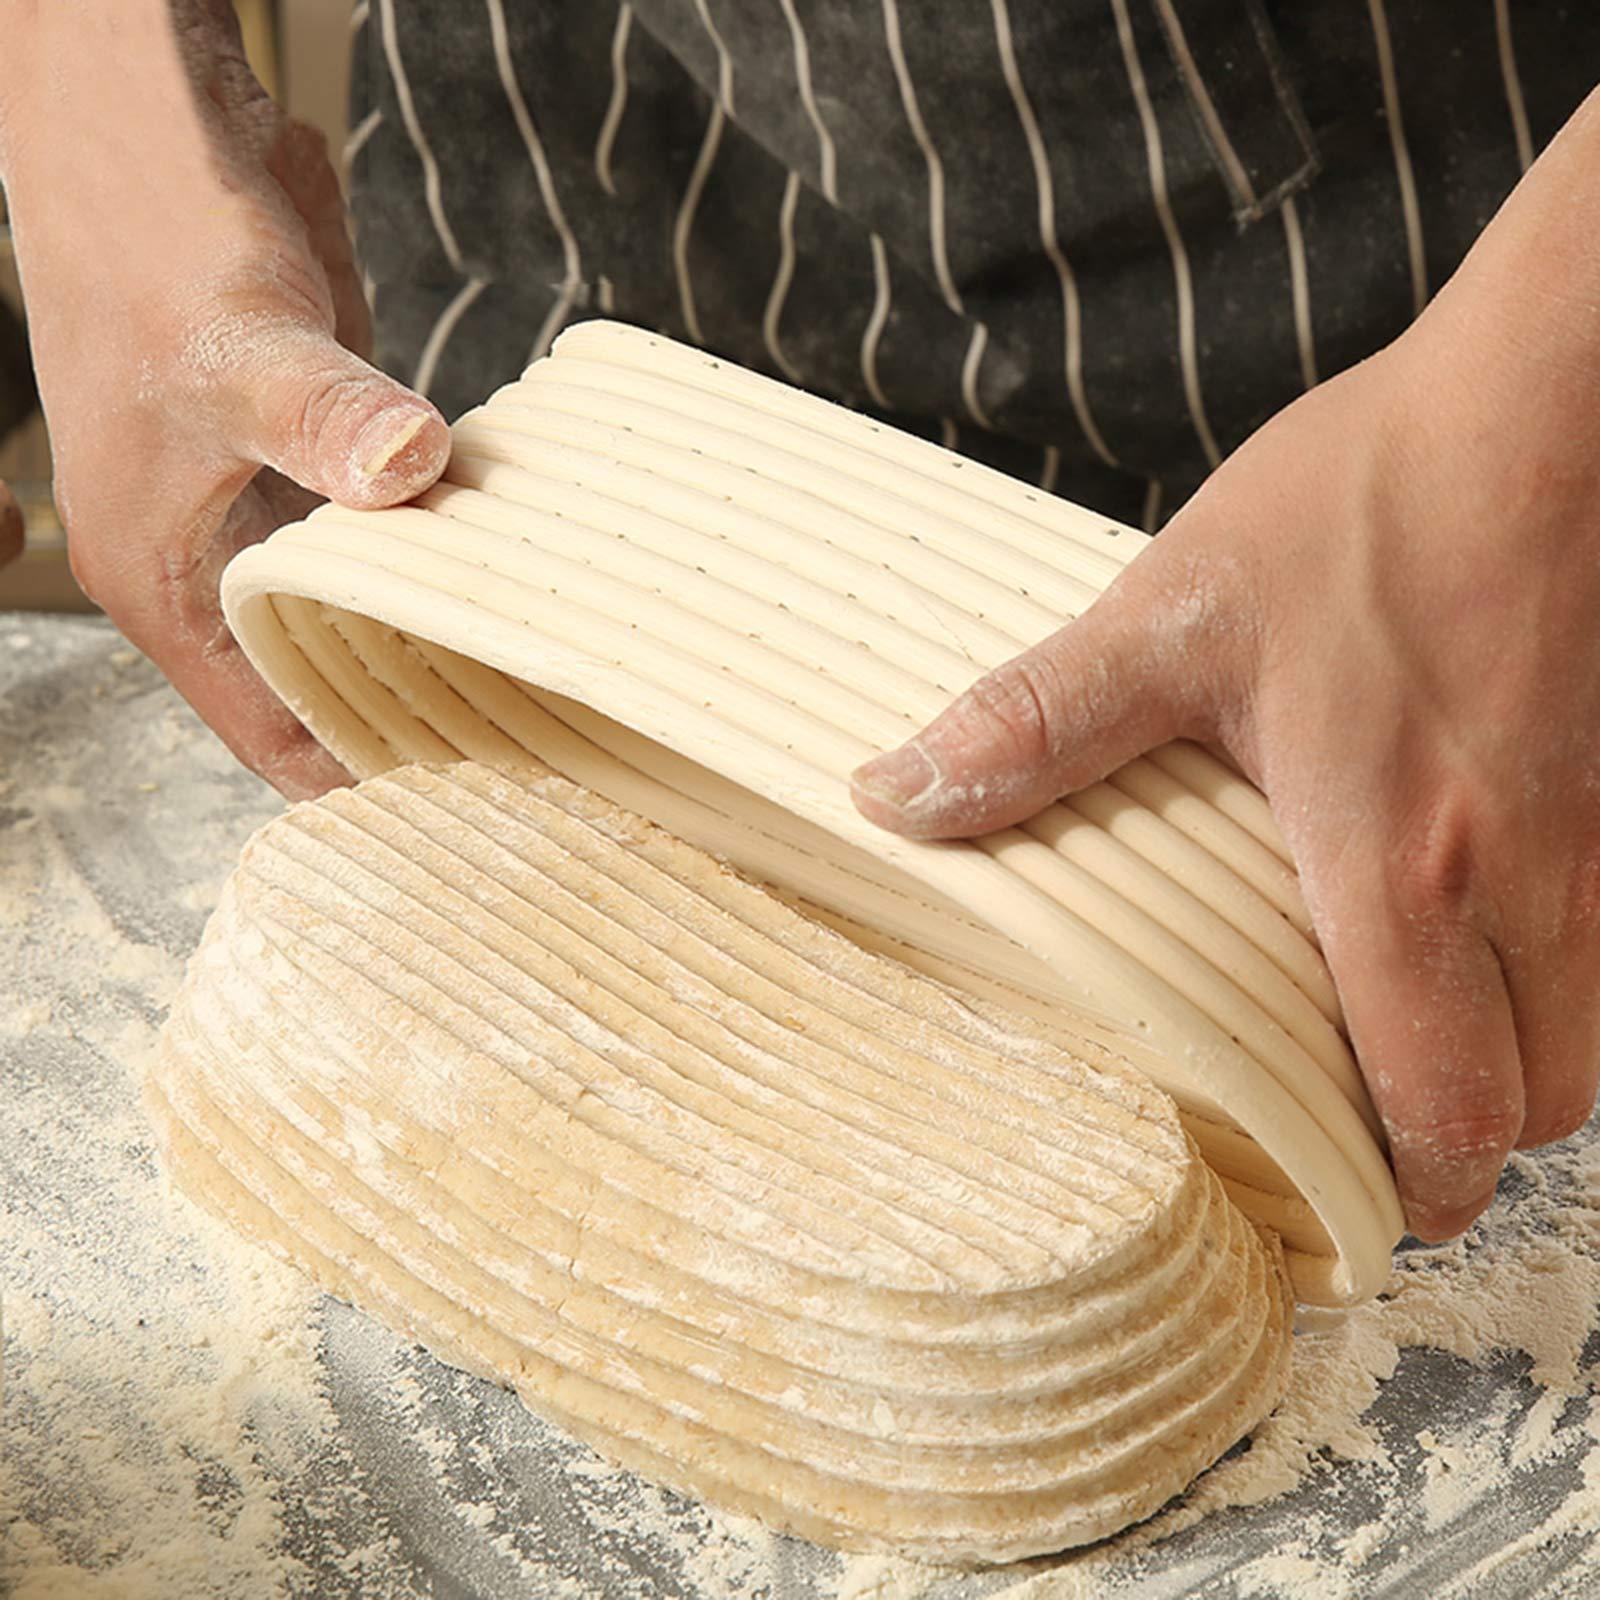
(709, 596)
(754, 1211)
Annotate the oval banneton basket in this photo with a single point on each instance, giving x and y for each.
(709, 596)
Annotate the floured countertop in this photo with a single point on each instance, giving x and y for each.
(183, 1418)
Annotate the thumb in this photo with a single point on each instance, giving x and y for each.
(330, 422)
(1056, 718)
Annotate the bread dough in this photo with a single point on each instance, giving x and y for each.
(710, 596)
(758, 1213)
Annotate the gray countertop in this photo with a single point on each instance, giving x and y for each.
(134, 1334)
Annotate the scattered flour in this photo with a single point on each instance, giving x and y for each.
(183, 1419)
(161, 1380)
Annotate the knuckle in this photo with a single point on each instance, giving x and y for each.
(264, 290)
(1204, 599)
(1018, 700)
(1461, 1141)
(1189, 626)
(323, 397)
(1433, 860)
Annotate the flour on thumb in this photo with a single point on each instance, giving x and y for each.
(1058, 717)
(334, 424)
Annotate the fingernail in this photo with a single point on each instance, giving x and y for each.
(898, 778)
(386, 437)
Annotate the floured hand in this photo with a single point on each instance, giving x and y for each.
(1383, 607)
(195, 317)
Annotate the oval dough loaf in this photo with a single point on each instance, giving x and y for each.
(756, 1212)
(709, 596)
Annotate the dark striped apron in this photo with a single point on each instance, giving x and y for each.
(1094, 242)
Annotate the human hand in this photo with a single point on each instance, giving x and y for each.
(1383, 608)
(196, 320)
